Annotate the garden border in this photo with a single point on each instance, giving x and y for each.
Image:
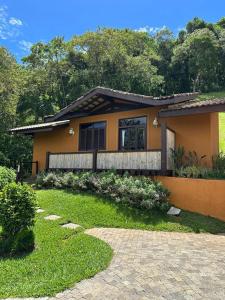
(204, 196)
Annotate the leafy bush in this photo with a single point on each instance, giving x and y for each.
(191, 166)
(6, 176)
(135, 191)
(218, 163)
(20, 243)
(17, 208)
(192, 172)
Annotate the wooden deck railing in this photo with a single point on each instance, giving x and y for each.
(149, 160)
(132, 160)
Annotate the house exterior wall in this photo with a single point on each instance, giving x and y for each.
(203, 196)
(198, 132)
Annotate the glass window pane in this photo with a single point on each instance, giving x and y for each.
(99, 125)
(89, 139)
(140, 138)
(83, 140)
(132, 122)
(92, 136)
(101, 138)
(133, 133)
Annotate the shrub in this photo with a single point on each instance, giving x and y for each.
(49, 180)
(20, 243)
(192, 172)
(17, 209)
(218, 163)
(138, 191)
(6, 176)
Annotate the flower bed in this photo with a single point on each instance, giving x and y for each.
(135, 191)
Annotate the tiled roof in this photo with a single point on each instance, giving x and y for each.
(195, 104)
(90, 99)
(39, 126)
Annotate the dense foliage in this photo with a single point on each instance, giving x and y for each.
(139, 192)
(192, 166)
(17, 211)
(6, 176)
(57, 72)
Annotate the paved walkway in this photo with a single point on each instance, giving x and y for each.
(156, 265)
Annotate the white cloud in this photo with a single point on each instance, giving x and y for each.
(25, 45)
(15, 21)
(149, 29)
(8, 25)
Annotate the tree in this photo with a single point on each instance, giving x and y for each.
(120, 59)
(195, 24)
(10, 88)
(198, 56)
(165, 41)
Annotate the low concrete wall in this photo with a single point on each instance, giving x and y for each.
(203, 196)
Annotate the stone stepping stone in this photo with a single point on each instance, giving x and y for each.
(40, 210)
(71, 226)
(173, 211)
(52, 217)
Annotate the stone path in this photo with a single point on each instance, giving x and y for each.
(52, 217)
(156, 265)
(40, 210)
(71, 226)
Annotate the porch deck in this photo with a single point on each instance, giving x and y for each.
(152, 161)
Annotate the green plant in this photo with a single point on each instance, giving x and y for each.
(192, 172)
(192, 159)
(188, 165)
(218, 162)
(17, 209)
(22, 242)
(134, 191)
(178, 157)
(49, 180)
(6, 176)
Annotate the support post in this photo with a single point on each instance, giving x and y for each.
(36, 167)
(164, 148)
(94, 164)
(47, 161)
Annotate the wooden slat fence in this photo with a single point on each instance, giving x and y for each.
(131, 160)
(143, 160)
(71, 160)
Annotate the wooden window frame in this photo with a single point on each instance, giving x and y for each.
(83, 124)
(139, 126)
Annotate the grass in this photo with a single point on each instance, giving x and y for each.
(214, 95)
(94, 211)
(62, 257)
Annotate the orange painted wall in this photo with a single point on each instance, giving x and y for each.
(199, 133)
(203, 196)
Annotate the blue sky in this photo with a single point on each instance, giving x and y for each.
(24, 22)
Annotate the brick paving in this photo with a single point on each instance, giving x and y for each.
(156, 265)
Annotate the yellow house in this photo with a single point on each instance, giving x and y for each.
(106, 129)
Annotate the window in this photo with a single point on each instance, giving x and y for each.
(92, 136)
(132, 134)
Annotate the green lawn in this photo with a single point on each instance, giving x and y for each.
(214, 95)
(62, 257)
(94, 211)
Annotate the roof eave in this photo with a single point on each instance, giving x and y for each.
(29, 130)
(140, 99)
(192, 110)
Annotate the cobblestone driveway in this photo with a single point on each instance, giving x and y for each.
(156, 265)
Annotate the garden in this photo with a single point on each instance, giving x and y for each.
(40, 258)
(190, 165)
